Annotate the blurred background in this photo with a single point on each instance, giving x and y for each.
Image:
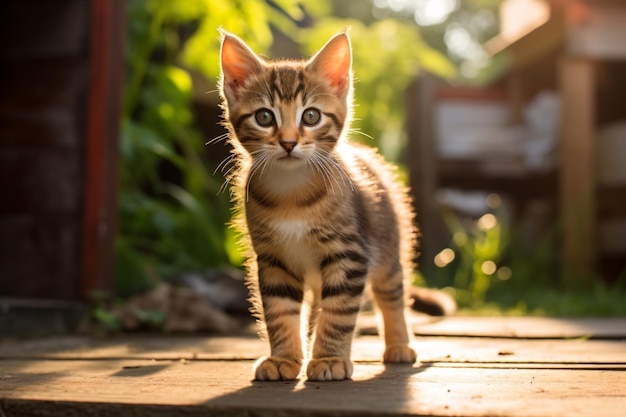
(505, 116)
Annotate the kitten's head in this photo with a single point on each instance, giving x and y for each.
(286, 112)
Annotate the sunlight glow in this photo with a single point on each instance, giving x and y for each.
(444, 257)
(505, 273)
(460, 238)
(488, 221)
(433, 12)
(488, 267)
(425, 12)
(493, 201)
(461, 43)
(519, 17)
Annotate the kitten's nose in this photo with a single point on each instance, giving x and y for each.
(288, 145)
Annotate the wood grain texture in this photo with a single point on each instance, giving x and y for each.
(43, 79)
(224, 388)
(366, 349)
(525, 327)
(211, 376)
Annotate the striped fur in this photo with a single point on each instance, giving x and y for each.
(324, 217)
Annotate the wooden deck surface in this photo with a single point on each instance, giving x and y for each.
(469, 367)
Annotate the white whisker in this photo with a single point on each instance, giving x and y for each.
(225, 163)
(327, 162)
(217, 139)
(258, 162)
(338, 169)
(223, 187)
(357, 131)
(321, 168)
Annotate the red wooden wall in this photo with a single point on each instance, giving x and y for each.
(60, 83)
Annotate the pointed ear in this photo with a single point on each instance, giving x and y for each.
(334, 62)
(238, 63)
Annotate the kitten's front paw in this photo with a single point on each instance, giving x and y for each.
(276, 369)
(329, 369)
(399, 354)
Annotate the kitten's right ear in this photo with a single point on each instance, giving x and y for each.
(334, 62)
(238, 63)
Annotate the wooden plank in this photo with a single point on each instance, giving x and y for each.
(525, 327)
(578, 171)
(249, 346)
(182, 376)
(159, 348)
(531, 365)
(198, 388)
(365, 349)
(478, 350)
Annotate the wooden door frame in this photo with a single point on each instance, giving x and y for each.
(101, 182)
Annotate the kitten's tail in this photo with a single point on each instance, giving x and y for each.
(431, 301)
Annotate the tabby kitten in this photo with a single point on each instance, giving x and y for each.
(323, 216)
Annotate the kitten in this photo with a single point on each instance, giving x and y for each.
(323, 216)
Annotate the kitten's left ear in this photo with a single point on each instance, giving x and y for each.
(238, 64)
(334, 62)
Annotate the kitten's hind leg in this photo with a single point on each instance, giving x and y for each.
(389, 296)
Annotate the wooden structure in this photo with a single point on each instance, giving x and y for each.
(575, 48)
(484, 367)
(61, 71)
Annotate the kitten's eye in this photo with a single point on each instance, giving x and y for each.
(311, 117)
(264, 117)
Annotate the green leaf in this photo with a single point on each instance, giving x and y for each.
(132, 276)
(107, 319)
(180, 11)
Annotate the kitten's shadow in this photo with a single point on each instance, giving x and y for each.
(387, 389)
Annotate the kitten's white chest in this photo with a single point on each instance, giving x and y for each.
(290, 229)
(295, 248)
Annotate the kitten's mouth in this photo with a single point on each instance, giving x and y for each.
(290, 161)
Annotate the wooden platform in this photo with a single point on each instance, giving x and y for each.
(469, 367)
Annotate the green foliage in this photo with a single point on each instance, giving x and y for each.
(492, 271)
(460, 35)
(479, 250)
(105, 321)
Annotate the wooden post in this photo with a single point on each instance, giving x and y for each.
(515, 89)
(102, 145)
(577, 179)
(421, 161)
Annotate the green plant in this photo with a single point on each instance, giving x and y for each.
(474, 256)
(492, 270)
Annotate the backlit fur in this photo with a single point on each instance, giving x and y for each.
(323, 217)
